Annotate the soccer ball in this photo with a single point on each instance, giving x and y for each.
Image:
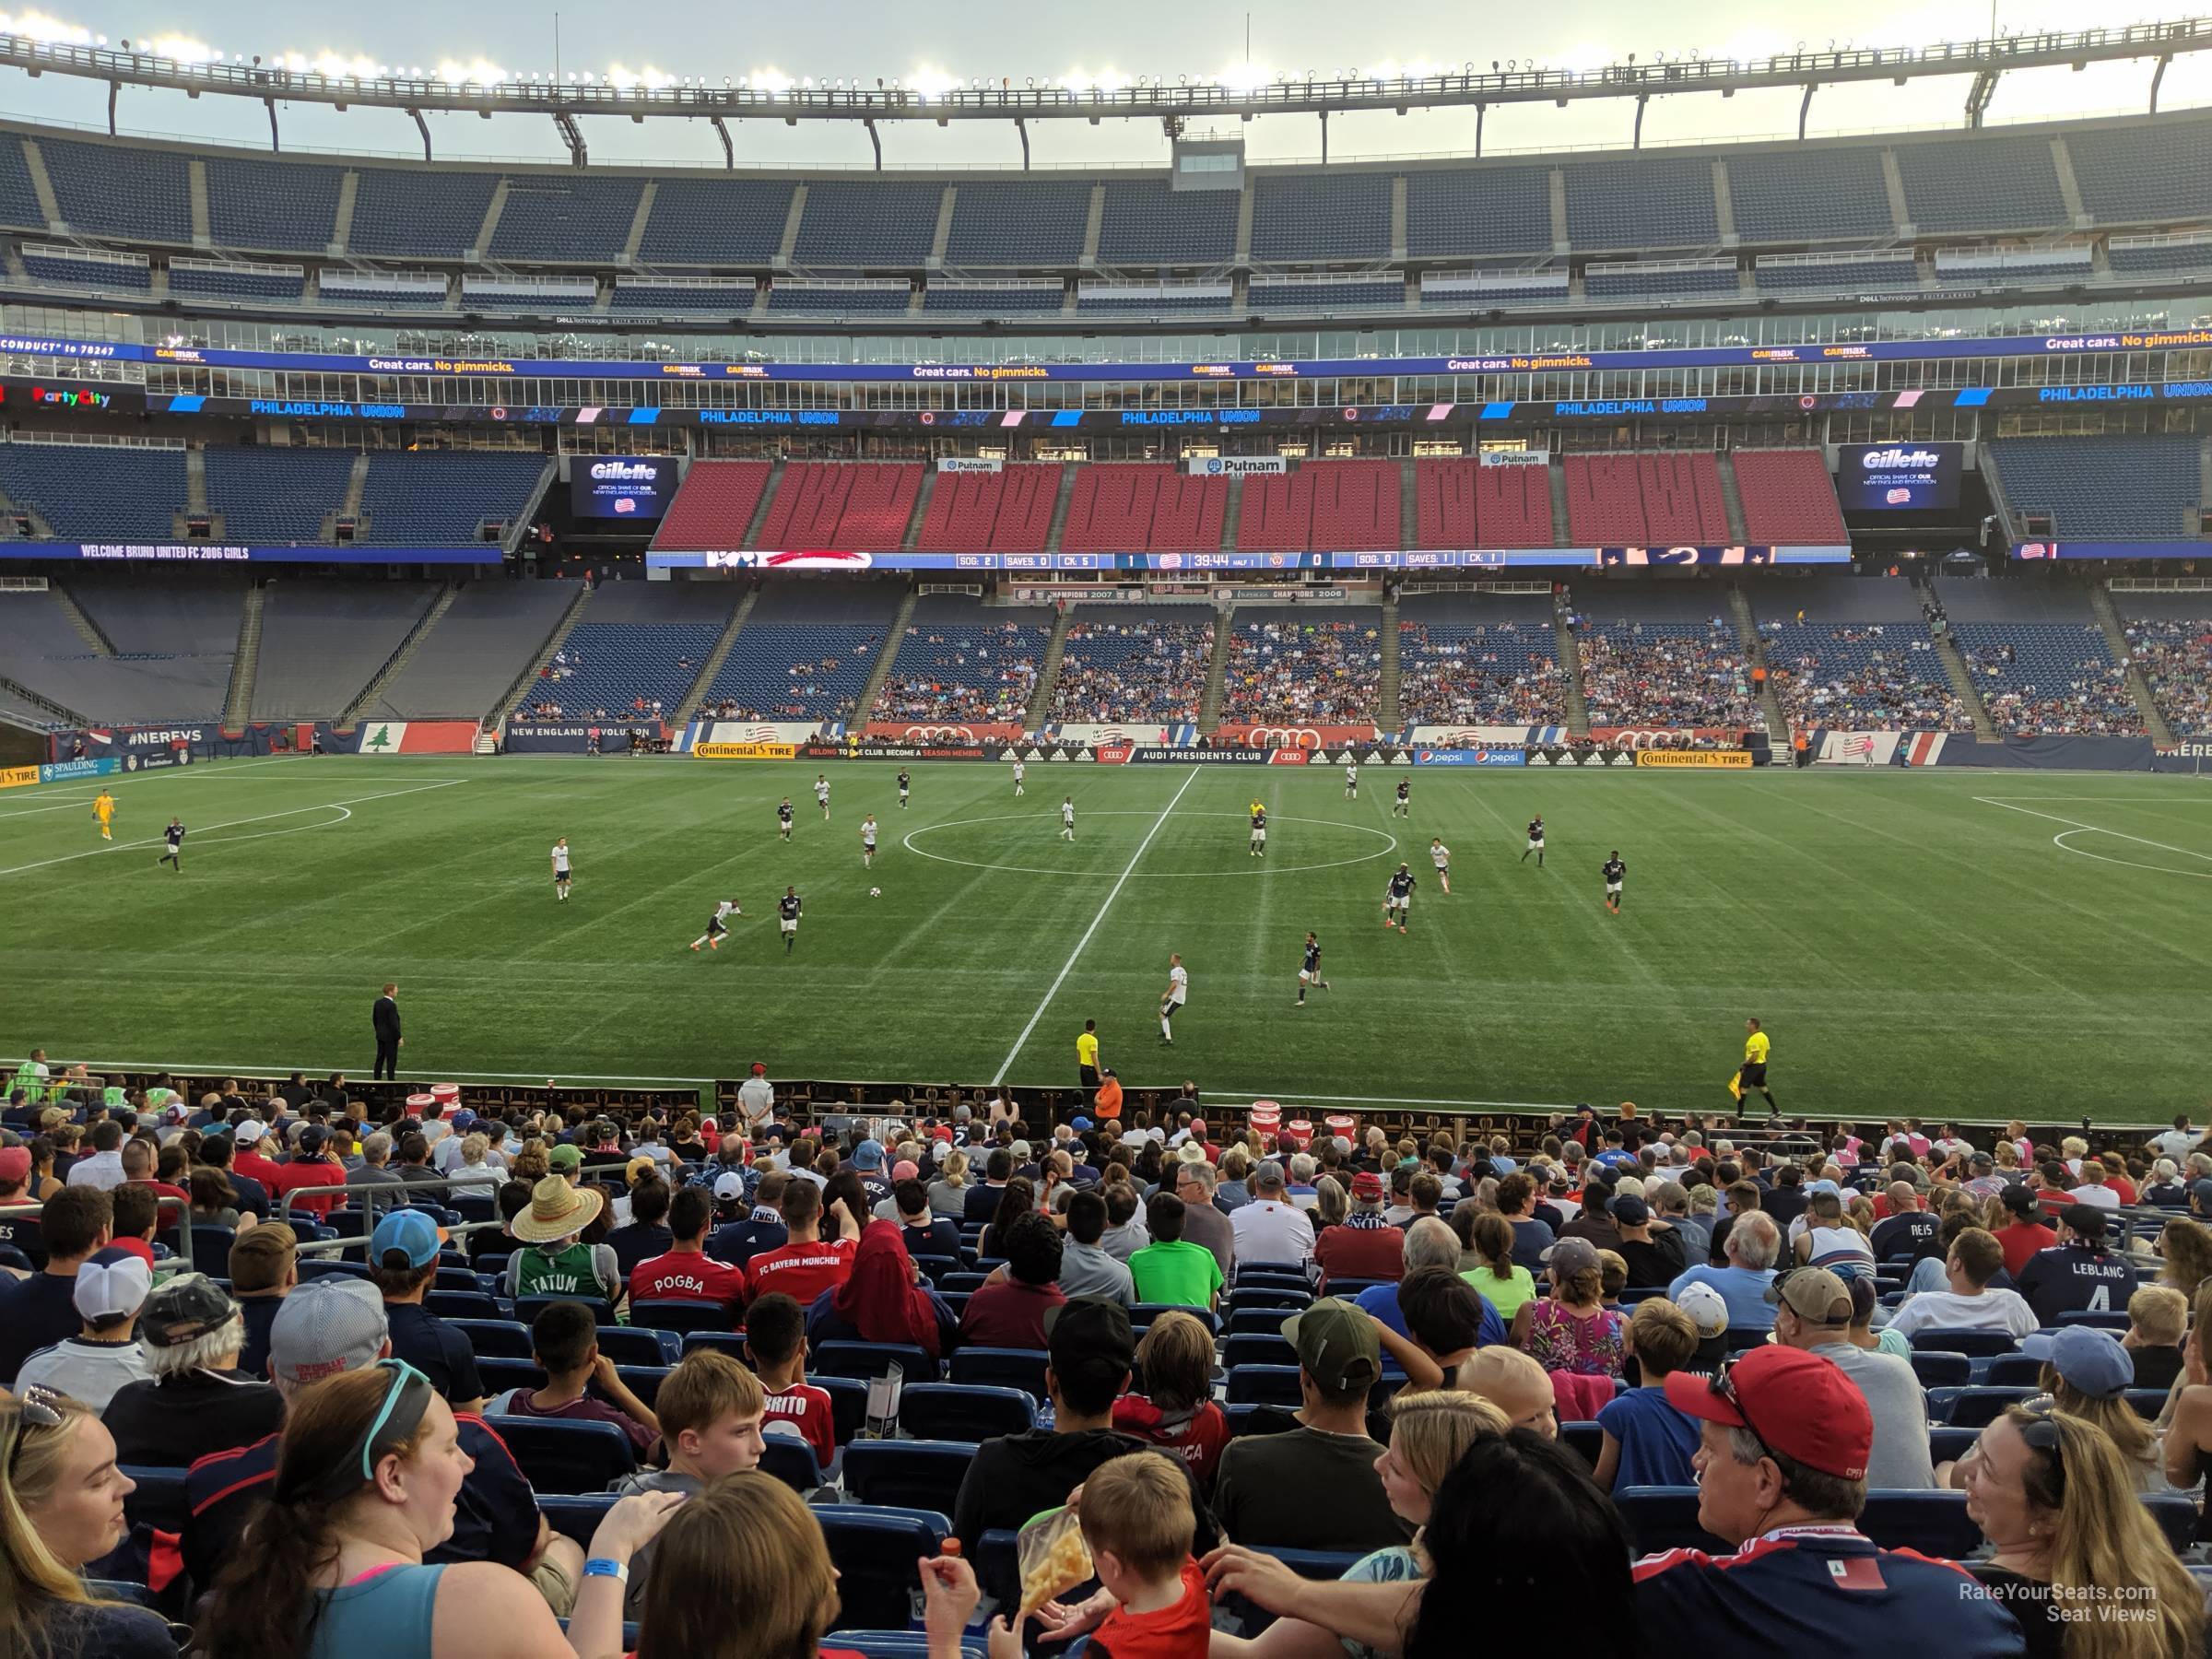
(875, 893)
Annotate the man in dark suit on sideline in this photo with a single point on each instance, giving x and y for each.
(384, 1016)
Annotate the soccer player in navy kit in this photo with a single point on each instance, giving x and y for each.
(783, 817)
(1535, 840)
(1259, 830)
(1310, 974)
(1402, 805)
(1614, 871)
(1398, 900)
(174, 835)
(904, 785)
(788, 907)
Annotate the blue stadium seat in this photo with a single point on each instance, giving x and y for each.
(557, 1454)
(882, 226)
(875, 1551)
(1001, 1368)
(1147, 222)
(2008, 1370)
(998, 222)
(1981, 184)
(638, 1344)
(575, 1515)
(496, 1338)
(1249, 1294)
(2103, 1319)
(1146, 1313)
(964, 1411)
(1976, 1345)
(1334, 215)
(1477, 210)
(416, 214)
(1264, 1385)
(1935, 1524)
(730, 1341)
(791, 1461)
(908, 1474)
(160, 1501)
(573, 218)
(462, 1304)
(121, 191)
(1587, 1439)
(1650, 200)
(1942, 1371)
(644, 1380)
(682, 1317)
(716, 221)
(499, 1373)
(211, 1249)
(106, 493)
(1978, 1407)
(1783, 195)
(527, 1308)
(2142, 171)
(865, 1359)
(290, 206)
(2176, 1514)
(1257, 1350)
(19, 196)
(1256, 1322)
(1661, 1518)
(1947, 1444)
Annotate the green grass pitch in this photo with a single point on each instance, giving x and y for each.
(1987, 943)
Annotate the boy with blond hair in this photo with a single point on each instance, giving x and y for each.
(710, 1409)
(1138, 1522)
(2156, 1316)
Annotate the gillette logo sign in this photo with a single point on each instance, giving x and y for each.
(622, 487)
(1899, 477)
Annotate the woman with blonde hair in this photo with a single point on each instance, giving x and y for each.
(2058, 1500)
(2087, 1372)
(948, 1191)
(472, 1169)
(331, 1566)
(60, 1508)
(1331, 1203)
(2185, 1256)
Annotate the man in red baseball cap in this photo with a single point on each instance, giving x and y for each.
(1365, 1246)
(1782, 1475)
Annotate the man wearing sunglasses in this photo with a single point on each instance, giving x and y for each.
(1784, 1441)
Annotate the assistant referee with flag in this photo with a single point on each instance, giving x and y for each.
(1752, 1074)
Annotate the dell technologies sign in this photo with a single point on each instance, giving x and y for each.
(1900, 477)
(622, 487)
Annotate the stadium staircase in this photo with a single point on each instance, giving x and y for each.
(689, 708)
(511, 699)
(893, 637)
(1048, 670)
(1409, 516)
(1217, 670)
(1962, 682)
(55, 712)
(1051, 537)
(1560, 534)
(1570, 655)
(767, 494)
(101, 645)
(1732, 499)
(196, 494)
(912, 538)
(1232, 515)
(1755, 650)
(1993, 481)
(400, 656)
(2138, 686)
(238, 703)
(1386, 687)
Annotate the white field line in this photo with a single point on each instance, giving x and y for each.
(231, 824)
(1112, 893)
(2098, 828)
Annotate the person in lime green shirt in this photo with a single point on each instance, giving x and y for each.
(1170, 1269)
(1505, 1286)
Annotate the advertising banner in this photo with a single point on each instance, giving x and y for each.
(1899, 477)
(746, 751)
(982, 731)
(1857, 748)
(1518, 457)
(1559, 755)
(154, 760)
(1287, 756)
(622, 487)
(416, 738)
(1147, 755)
(1474, 757)
(1646, 736)
(567, 737)
(1704, 757)
(1203, 565)
(1236, 466)
(2053, 753)
(62, 771)
(236, 553)
(2112, 549)
(1292, 737)
(969, 464)
(1115, 754)
(18, 777)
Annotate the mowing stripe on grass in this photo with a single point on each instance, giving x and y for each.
(1112, 893)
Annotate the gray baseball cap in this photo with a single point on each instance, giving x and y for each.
(327, 1325)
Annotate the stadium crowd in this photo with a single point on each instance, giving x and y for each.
(2177, 657)
(1151, 669)
(987, 674)
(1452, 1361)
(1873, 683)
(1302, 671)
(1492, 673)
(1668, 678)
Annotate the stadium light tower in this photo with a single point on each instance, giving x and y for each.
(1242, 94)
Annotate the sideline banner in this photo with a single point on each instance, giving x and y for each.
(1559, 754)
(18, 777)
(753, 731)
(1138, 735)
(1722, 758)
(1858, 748)
(1470, 757)
(746, 751)
(1482, 736)
(2041, 753)
(922, 731)
(1650, 736)
(1292, 737)
(1231, 757)
(62, 771)
(568, 736)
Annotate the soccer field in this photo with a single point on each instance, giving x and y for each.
(1987, 943)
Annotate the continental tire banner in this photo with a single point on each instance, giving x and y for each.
(1470, 757)
(925, 731)
(1722, 758)
(1292, 737)
(18, 777)
(746, 751)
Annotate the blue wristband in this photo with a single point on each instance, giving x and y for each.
(600, 1566)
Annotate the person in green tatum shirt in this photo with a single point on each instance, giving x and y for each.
(1170, 1269)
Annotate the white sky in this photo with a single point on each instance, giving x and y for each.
(968, 38)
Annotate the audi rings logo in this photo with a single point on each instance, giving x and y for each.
(1282, 738)
(938, 734)
(1633, 738)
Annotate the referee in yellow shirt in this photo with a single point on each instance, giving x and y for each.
(1752, 1074)
(1087, 1056)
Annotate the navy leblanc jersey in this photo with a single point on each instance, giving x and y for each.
(788, 906)
(1824, 1584)
(2068, 1278)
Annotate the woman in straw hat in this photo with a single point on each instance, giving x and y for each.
(554, 1261)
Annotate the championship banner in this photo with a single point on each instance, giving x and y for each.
(1474, 757)
(1723, 757)
(1292, 737)
(981, 731)
(746, 751)
(18, 777)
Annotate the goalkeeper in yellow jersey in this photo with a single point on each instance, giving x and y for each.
(103, 814)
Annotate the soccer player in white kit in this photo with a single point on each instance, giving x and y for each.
(1351, 781)
(1170, 1003)
(868, 842)
(718, 925)
(821, 794)
(561, 870)
(1067, 819)
(1021, 771)
(1440, 856)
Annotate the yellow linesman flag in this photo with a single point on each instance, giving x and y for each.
(1735, 1084)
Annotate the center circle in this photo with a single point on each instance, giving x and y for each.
(1390, 845)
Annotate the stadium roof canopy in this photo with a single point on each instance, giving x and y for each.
(566, 102)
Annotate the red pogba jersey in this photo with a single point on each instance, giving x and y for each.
(688, 1275)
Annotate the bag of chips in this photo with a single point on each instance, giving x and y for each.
(1053, 1559)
